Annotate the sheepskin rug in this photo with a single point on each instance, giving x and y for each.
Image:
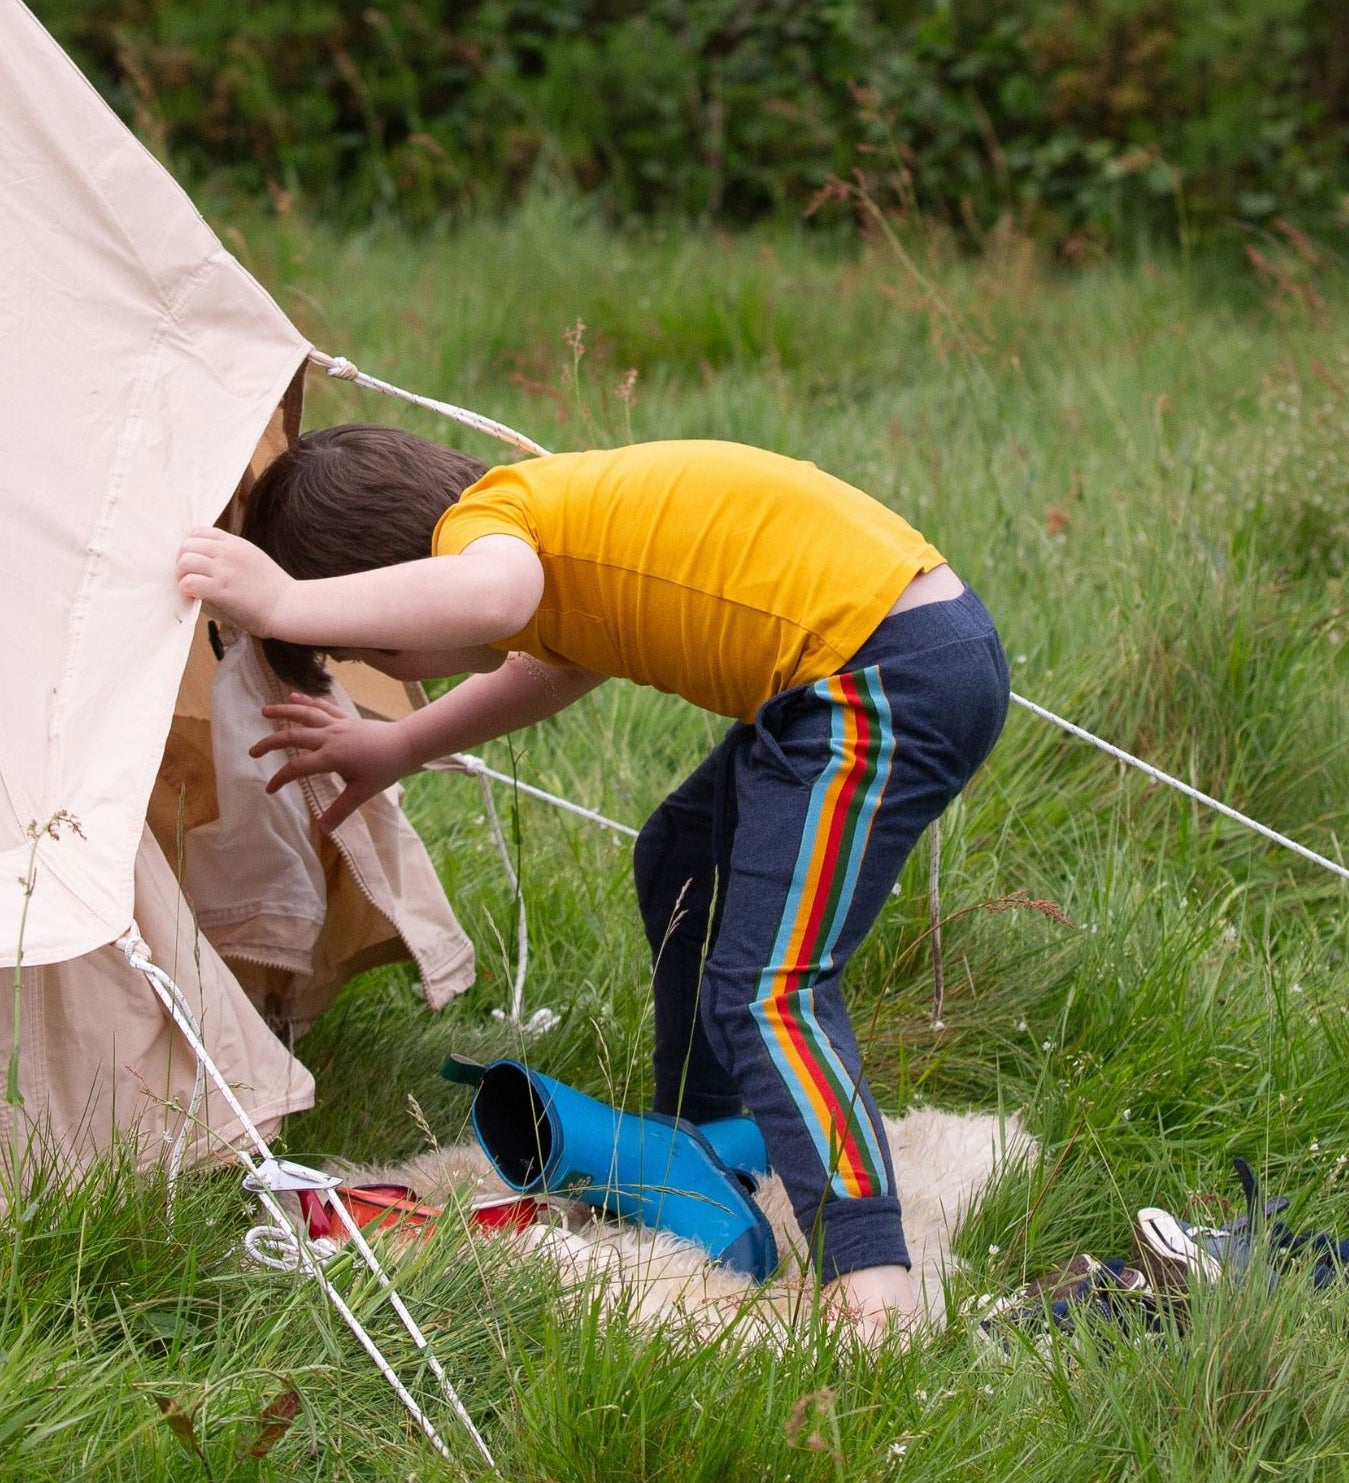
(943, 1161)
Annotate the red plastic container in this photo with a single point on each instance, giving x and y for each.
(381, 1206)
(504, 1212)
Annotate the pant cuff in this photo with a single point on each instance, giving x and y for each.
(850, 1234)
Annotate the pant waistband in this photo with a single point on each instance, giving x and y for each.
(927, 626)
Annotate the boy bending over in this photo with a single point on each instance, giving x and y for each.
(865, 683)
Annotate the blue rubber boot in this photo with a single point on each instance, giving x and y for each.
(739, 1144)
(547, 1138)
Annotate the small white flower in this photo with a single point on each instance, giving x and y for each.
(995, 1250)
(921, 1394)
(1295, 988)
(1020, 659)
(1316, 1146)
(1127, 1113)
(1046, 1045)
(898, 1449)
(988, 1390)
(1022, 1026)
(938, 1024)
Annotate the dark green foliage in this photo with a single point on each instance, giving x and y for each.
(1081, 123)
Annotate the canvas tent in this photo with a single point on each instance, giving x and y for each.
(145, 380)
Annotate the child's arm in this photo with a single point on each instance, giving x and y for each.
(372, 755)
(489, 592)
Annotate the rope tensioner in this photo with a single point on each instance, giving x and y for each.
(267, 1176)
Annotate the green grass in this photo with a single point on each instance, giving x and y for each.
(1146, 473)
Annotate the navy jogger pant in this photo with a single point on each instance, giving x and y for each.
(789, 837)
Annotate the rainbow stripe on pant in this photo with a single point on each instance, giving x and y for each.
(842, 807)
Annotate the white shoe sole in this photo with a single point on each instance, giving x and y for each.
(1163, 1238)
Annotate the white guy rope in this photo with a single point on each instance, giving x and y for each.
(179, 1149)
(934, 916)
(544, 1019)
(467, 762)
(1164, 777)
(137, 954)
(522, 920)
(342, 368)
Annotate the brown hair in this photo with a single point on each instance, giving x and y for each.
(348, 499)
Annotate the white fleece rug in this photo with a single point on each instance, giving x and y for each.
(943, 1161)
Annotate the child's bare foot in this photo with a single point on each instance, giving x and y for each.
(881, 1303)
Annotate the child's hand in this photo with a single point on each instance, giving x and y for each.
(368, 756)
(234, 578)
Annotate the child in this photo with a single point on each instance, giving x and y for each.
(865, 682)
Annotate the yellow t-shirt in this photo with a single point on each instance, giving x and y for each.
(722, 573)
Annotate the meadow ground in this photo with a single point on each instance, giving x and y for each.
(1145, 471)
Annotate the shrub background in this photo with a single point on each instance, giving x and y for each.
(1083, 124)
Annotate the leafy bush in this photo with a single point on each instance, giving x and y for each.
(1077, 122)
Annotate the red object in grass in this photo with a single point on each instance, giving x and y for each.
(504, 1212)
(383, 1206)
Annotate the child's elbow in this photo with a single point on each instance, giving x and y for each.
(501, 579)
(516, 597)
(505, 614)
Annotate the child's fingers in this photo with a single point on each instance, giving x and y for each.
(198, 551)
(193, 574)
(293, 738)
(290, 773)
(297, 715)
(295, 768)
(346, 804)
(320, 702)
(343, 806)
(295, 721)
(309, 704)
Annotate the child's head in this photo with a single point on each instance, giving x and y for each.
(347, 499)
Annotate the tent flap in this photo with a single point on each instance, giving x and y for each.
(142, 365)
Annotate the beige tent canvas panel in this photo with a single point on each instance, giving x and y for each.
(147, 378)
(141, 367)
(100, 1059)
